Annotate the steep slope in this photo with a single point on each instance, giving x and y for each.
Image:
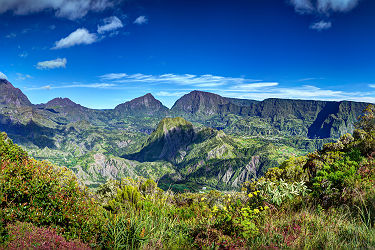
(144, 105)
(199, 103)
(205, 156)
(171, 137)
(11, 96)
(287, 117)
(63, 111)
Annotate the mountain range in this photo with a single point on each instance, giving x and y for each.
(204, 138)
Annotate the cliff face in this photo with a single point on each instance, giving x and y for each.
(199, 103)
(144, 105)
(11, 96)
(319, 119)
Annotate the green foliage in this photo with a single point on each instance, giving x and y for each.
(10, 151)
(340, 174)
(280, 191)
(39, 193)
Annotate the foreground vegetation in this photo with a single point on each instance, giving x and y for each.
(323, 200)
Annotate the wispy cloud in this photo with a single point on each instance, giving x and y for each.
(3, 76)
(324, 8)
(322, 25)
(207, 80)
(80, 36)
(23, 54)
(23, 76)
(110, 24)
(175, 85)
(171, 93)
(71, 9)
(305, 92)
(113, 76)
(309, 79)
(141, 20)
(91, 85)
(253, 86)
(52, 64)
(11, 35)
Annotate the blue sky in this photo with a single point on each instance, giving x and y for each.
(100, 53)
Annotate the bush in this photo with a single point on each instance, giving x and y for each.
(45, 195)
(27, 236)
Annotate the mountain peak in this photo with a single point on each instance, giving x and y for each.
(200, 102)
(170, 136)
(4, 81)
(9, 95)
(59, 101)
(146, 104)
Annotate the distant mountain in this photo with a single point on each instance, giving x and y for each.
(9, 95)
(313, 119)
(144, 105)
(199, 103)
(64, 111)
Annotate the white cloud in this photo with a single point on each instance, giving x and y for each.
(23, 76)
(11, 35)
(302, 6)
(371, 85)
(306, 92)
(322, 25)
(71, 9)
(258, 85)
(53, 64)
(80, 36)
(91, 85)
(110, 24)
(3, 76)
(23, 54)
(113, 76)
(207, 80)
(170, 94)
(327, 6)
(309, 79)
(322, 8)
(141, 20)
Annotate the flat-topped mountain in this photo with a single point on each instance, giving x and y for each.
(9, 95)
(315, 119)
(199, 102)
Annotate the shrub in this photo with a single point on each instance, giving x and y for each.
(27, 236)
(45, 195)
(280, 191)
